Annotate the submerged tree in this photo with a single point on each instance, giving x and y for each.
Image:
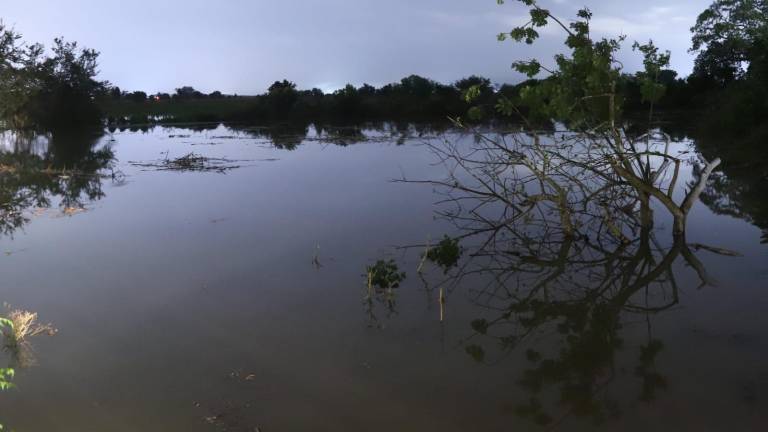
(581, 92)
(558, 224)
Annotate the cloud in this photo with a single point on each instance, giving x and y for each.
(243, 45)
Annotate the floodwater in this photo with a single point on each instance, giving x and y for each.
(231, 294)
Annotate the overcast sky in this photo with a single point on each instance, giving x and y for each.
(241, 46)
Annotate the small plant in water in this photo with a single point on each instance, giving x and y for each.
(446, 254)
(385, 275)
(23, 325)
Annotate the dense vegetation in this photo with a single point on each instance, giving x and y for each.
(731, 38)
(47, 90)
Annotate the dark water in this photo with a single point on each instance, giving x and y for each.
(235, 298)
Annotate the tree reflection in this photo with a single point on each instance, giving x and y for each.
(43, 170)
(287, 136)
(738, 189)
(578, 292)
(556, 241)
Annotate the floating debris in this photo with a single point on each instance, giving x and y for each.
(190, 162)
(206, 144)
(240, 375)
(71, 211)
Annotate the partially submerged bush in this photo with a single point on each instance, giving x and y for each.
(446, 254)
(385, 274)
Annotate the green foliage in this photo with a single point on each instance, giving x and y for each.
(446, 254)
(6, 374)
(725, 38)
(385, 274)
(348, 100)
(731, 38)
(581, 88)
(47, 91)
(651, 89)
(472, 93)
(282, 96)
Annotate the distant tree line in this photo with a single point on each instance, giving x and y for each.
(412, 98)
(183, 93)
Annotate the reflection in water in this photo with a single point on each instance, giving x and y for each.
(552, 246)
(738, 187)
(738, 190)
(581, 290)
(38, 169)
(572, 293)
(289, 136)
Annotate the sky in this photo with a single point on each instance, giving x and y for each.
(242, 46)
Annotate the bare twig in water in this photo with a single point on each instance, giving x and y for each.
(424, 257)
(716, 250)
(316, 258)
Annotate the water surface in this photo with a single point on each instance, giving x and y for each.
(235, 298)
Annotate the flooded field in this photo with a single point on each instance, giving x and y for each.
(215, 278)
